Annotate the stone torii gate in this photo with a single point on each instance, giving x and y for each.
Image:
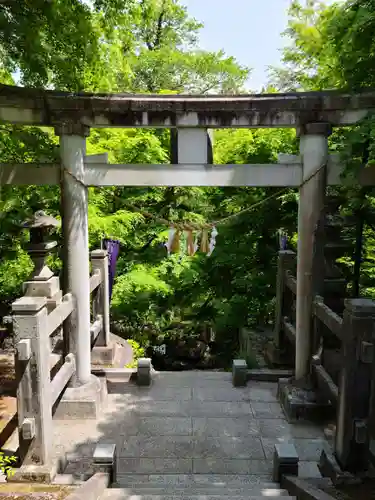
(313, 114)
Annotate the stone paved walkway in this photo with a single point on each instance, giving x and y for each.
(192, 423)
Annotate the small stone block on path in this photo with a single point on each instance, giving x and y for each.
(144, 371)
(104, 453)
(285, 461)
(239, 372)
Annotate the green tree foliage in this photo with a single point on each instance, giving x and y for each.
(153, 46)
(48, 42)
(333, 47)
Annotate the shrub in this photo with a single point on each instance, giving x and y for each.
(5, 464)
(138, 352)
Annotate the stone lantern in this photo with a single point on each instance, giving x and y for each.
(39, 248)
(42, 282)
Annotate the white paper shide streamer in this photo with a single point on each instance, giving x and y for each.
(212, 243)
(196, 241)
(171, 234)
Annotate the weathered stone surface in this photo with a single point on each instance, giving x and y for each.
(28, 107)
(233, 426)
(82, 402)
(285, 461)
(104, 453)
(307, 449)
(174, 445)
(139, 394)
(230, 466)
(191, 447)
(266, 410)
(272, 428)
(219, 394)
(239, 372)
(262, 391)
(141, 465)
(144, 371)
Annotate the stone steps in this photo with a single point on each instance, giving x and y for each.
(187, 494)
(192, 435)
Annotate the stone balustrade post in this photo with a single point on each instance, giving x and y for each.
(286, 262)
(33, 369)
(99, 260)
(356, 385)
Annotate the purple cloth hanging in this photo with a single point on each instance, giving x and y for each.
(113, 249)
(283, 242)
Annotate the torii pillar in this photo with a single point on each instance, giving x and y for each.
(314, 155)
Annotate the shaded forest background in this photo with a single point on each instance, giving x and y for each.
(152, 46)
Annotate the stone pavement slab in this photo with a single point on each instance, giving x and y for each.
(194, 425)
(196, 480)
(263, 409)
(192, 447)
(307, 449)
(162, 426)
(142, 465)
(225, 426)
(150, 393)
(262, 391)
(219, 394)
(274, 427)
(231, 466)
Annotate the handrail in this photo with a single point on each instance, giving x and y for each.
(332, 320)
(95, 280)
(62, 377)
(57, 317)
(96, 327)
(290, 281)
(325, 382)
(289, 330)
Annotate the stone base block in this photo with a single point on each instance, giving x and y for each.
(103, 355)
(285, 461)
(239, 372)
(105, 459)
(33, 474)
(268, 374)
(277, 357)
(301, 403)
(329, 467)
(84, 402)
(144, 371)
(42, 288)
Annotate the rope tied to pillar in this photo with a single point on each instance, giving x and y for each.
(191, 226)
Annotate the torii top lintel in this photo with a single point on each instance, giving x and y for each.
(27, 106)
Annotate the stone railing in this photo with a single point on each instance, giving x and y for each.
(345, 381)
(43, 368)
(99, 288)
(282, 350)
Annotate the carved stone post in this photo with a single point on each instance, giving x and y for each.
(352, 435)
(33, 369)
(99, 260)
(286, 261)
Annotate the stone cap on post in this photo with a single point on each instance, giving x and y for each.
(287, 259)
(360, 306)
(99, 254)
(239, 373)
(28, 305)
